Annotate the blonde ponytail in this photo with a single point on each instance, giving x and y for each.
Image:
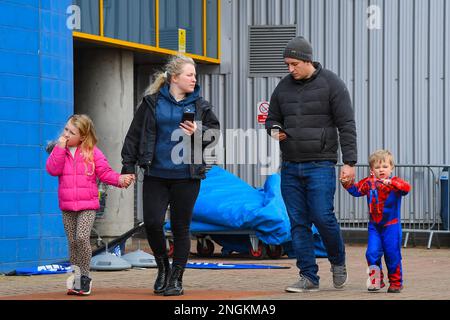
(160, 80)
(173, 67)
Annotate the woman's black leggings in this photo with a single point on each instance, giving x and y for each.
(158, 193)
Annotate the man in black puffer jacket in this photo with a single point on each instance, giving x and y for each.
(310, 114)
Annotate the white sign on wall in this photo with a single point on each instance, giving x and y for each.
(263, 111)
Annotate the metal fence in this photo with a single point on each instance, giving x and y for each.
(424, 210)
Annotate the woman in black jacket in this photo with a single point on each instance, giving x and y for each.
(170, 150)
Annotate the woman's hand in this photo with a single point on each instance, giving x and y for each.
(125, 180)
(188, 127)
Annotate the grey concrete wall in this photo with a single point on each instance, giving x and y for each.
(104, 85)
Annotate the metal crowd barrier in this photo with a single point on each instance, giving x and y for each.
(421, 211)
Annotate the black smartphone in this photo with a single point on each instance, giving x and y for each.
(188, 116)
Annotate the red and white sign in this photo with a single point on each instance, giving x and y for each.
(263, 111)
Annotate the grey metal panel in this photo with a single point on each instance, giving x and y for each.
(406, 84)
(446, 66)
(288, 12)
(406, 87)
(398, 76)
(361, 78)
(436, 75)
(421, 81)
(346, 45)
(304, 18)
(390, 79)
(317, 34)
(375, 81)
(274, 6)
(332, 35)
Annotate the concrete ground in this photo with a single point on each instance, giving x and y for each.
(425, 278)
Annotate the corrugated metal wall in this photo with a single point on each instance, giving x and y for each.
(392, 54)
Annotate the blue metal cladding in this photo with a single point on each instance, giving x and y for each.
(36, 97)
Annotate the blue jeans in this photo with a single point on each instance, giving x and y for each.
(308, 192)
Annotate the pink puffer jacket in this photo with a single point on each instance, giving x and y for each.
(77, 188)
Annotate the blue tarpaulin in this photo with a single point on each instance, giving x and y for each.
(46, 269)
(227, 203)
(206, 265)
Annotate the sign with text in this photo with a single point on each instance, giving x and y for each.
(182, 40)
(263, 111)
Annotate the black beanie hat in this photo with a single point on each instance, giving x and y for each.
(298, 48)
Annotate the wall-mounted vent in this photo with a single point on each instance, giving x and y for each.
(266, 46)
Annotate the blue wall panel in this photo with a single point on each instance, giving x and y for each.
(49, 202)
(19, 110)
(54, 226)
(28, 204)
(9, 201)
(8, 249)
(53, 248)
(19, 40)
(36, 97)
(18, 16)
(15, 227)
(34, 226)
(28, 250)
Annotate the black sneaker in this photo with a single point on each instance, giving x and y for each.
(86, 285)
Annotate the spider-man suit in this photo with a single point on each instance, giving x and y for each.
(385, 231)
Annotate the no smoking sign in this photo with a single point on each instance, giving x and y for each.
(263, 111)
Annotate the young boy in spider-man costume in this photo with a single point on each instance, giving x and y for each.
(384, 194)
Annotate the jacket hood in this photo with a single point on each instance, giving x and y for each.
(190, 97)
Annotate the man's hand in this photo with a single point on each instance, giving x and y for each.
(278, 135)
(347, 174)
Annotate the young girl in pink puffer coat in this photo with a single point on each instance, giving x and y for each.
(77, 163)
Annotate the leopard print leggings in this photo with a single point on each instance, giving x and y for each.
(78, 226)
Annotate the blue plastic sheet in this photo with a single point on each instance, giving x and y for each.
(206, 265)
(227, 201)
(40, 270)
(227, 204)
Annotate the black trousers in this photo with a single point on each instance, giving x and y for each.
(158, 193)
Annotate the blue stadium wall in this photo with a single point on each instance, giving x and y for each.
(36, 97)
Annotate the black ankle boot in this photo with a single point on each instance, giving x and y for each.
(163, 274)
(175, 284)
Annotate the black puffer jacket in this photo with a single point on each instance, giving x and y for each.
(139, 145)
(311, 112)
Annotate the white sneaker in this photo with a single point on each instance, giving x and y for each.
(374, 280)
(73, 282)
